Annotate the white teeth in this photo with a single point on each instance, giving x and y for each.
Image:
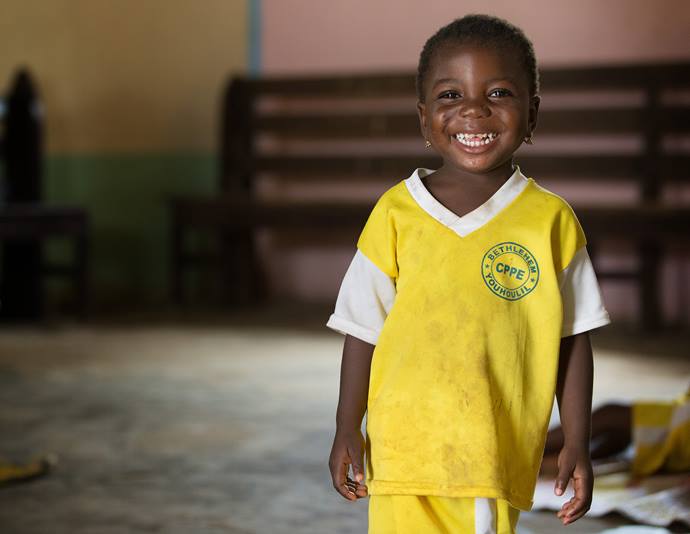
(474, 140)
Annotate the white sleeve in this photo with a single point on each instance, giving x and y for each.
(583, 305)
(365, 298)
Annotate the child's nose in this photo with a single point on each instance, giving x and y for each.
(474, 108)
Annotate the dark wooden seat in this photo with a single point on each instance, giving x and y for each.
(326, 130)
(36, 222)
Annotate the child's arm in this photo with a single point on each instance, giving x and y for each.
(348, 444)
(574, 394)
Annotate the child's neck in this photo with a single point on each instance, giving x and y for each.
(450, 176)
(462, 192)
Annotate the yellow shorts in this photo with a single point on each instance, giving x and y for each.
(413, 514)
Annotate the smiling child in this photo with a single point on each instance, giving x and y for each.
(466, 310)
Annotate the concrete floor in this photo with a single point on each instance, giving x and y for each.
(214, 426)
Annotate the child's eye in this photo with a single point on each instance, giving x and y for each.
(449, 95)
(500, 93)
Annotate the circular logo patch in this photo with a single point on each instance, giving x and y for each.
(510, 270)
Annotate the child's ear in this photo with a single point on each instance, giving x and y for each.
(533, 112)
(421, 108)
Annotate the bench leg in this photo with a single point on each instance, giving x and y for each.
(650, 299)
(81, 275)
(176, 264)
(241, 276)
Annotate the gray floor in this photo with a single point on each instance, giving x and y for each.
(220, 426)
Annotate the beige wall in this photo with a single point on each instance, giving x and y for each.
(312, 35)
(126, 76)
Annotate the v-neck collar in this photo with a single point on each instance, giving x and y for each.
(476, 218)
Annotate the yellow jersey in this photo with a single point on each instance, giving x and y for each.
(464, 371)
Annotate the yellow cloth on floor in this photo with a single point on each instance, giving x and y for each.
(413, 514)
(19, 472)
(661, 435)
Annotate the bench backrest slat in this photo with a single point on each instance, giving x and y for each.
(402, 125)
(611, 168)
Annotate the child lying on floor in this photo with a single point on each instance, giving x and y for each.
(659, 431)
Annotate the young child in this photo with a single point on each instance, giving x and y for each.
(465, 310)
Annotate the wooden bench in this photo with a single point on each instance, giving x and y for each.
(277, 127)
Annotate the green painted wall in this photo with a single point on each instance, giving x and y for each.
(126, 198)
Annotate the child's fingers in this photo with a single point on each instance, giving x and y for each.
(339, 467)
(351, 487)
(565, 472)
(346, 490)
(578, 506)
(357, 469)
(561, 482)
(357, 473)
(342, 457)
(583, 497)
(353, 490)
(573, 510)
(565, 509)
(360, 490)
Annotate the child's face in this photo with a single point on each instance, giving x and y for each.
(477, 108)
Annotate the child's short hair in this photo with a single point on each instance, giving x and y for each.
(483, 30)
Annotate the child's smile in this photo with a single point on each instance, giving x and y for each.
(475, 141)
(477, 109)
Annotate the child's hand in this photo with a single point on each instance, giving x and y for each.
(348, 449)
(576, 465)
